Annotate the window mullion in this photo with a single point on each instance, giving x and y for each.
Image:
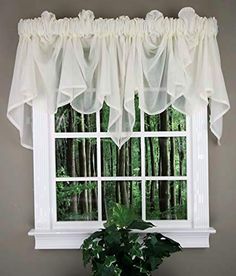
(143, 166)
(99, 182)
(108, 135)
(120, 178)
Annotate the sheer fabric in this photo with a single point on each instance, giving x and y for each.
(86, 61)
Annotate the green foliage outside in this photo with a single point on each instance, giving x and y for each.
(133, 201)
(66, 193)
(77, 157)
(177, 211)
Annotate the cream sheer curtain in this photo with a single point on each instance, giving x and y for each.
(86, 61)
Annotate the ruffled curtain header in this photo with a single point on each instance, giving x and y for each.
(86, 24)
(86, 61)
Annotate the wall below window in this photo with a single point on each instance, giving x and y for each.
(17, 256)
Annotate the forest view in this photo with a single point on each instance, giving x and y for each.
(80, 157)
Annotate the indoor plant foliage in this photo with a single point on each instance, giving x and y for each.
(118, 250)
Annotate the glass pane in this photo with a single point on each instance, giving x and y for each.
(76, 201)
(69, 120)
(104, 116)
(169, 120)
(166, 200)
(76, 157)
(127, 193)
(123, 162)
(165, 156)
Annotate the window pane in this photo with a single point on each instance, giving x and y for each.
(104, 116)
(76, 201)
(127, 193)
(165, 156)
(166, 200)
(169, 120)
(76, 157)
(69, 120)
(123, 162)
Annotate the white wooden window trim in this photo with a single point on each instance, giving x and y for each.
(51, 234)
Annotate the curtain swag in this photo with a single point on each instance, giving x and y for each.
(85, 62)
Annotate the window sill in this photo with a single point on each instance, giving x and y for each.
(71, 239)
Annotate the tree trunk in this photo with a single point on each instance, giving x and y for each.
(94, 173)
(117, 173)
(123, 184)
(163, 147)
(181, 159)
(89, 172)
(172, 171)
(83, 199)
(104, 205)
(71, 165)
(111, 159)
(130, 172)
(153, 169)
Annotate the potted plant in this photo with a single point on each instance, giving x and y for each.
(118, 249)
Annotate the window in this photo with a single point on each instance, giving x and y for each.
(148, 174)
(161, 172)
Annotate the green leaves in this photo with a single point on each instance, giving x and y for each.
(157, 247)
(117, 251)
(108, 268)
(140, 225)
(121, 217)
(112, 236)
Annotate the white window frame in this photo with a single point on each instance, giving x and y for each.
(51, 234)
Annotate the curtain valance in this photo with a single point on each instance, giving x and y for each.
(86, 61)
